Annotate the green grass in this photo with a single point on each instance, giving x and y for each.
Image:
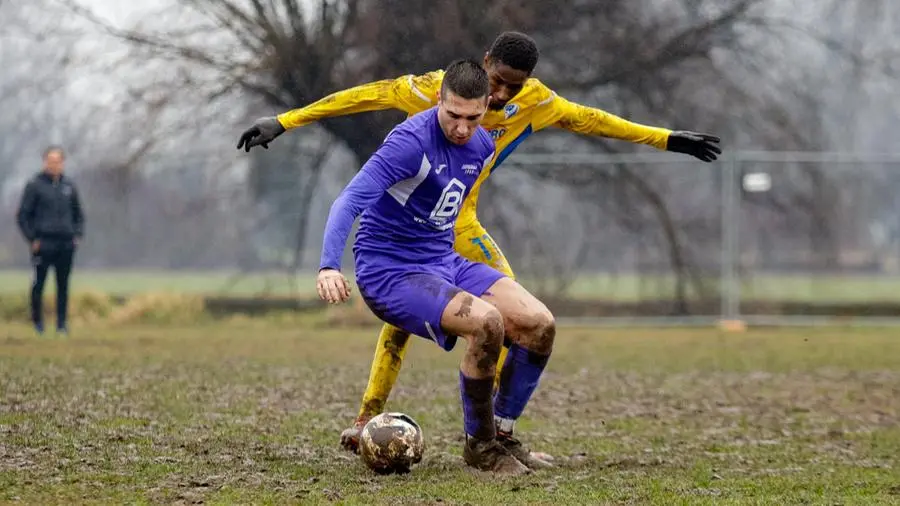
(249, 411)
(625, 287)
(782, 287)
(194, 282)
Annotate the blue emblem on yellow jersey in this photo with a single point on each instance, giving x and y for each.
(510, 110)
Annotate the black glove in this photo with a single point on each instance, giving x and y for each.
(702, 146)
(263, 131)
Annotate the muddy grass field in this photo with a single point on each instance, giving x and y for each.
(250, 412)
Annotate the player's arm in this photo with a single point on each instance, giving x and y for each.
(586, 120)
(393, 162)
(410, 94)
(77, 215)
(25, 214)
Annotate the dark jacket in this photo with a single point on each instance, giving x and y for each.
(50, 210)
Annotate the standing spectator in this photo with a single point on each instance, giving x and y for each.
(51, 220)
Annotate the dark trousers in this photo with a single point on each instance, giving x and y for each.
(59, 255)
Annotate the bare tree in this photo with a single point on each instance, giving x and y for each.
(704, 64)
(284, 182)
(36, 54)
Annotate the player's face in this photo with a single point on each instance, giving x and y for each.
(506, 82)
(459, 117)
(54, 162)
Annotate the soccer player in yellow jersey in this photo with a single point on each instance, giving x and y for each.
(519, 106)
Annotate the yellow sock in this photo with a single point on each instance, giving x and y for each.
(392, 345)
(503, 352)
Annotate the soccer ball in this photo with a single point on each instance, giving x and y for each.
(391, 443)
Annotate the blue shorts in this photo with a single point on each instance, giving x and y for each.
(413, 296)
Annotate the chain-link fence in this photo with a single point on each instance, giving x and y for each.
(650, 238)
(759, 236)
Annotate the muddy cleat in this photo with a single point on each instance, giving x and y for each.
(492, 457)
(515, 448)
(350, 436)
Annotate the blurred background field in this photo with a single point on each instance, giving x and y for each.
(801, 208)
(619, 287)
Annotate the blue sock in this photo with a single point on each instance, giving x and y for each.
(476, 402)
(520, 377)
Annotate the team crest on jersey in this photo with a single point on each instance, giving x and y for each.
(444, 213)
(510, 110)
(497, 133)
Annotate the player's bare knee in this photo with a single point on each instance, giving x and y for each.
(492, 323)
(542, 333)
(547, 334)
(491, 329)
(488, 340)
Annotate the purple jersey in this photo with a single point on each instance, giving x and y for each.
(409, 193)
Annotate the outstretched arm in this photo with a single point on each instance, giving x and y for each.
(409, 93)
(586, 120)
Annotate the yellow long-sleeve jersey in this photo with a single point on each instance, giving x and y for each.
(534, 108)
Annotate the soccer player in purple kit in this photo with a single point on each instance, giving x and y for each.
(409, 194)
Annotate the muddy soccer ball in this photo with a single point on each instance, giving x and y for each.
(391, 443)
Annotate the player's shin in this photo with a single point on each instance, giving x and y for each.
(521, 375)
(482, 450)
(522, 372)
(477, 404)
(389, 354)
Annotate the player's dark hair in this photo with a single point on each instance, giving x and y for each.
(466, 79)
(54, 148)
(515, 49)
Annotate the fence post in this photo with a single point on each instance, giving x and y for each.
(730, 318)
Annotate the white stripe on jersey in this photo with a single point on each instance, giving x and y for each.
(402, 190)
(418, 93)
(487, 160)
(430, 331)
(547, 100)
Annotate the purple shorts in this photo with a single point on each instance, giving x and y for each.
(413, 296)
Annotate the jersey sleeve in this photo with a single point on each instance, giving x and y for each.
(25, 214)
(488, 150)
(398, 158)
(77, 213)
(408, 93)
(554, 110)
